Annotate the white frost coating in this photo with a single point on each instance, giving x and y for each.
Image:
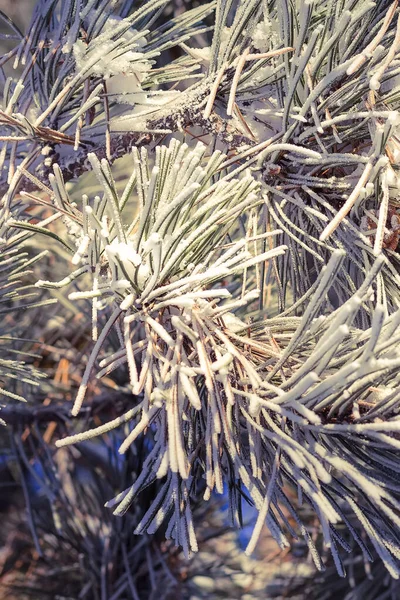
(223, 362)
(160, 331)
(144, 105)
(131, 123)
(109, 58)
(181, 302)
(264, 36)
(82, 249)
(114, 22)
(190, 390)
(201, 54)
(126, 252)
(125, 86)
(121, 284)
(109, 63)
(152, 242)
(143, 274)
(233, 323)
(127, 302)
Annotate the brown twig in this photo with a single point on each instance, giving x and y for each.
(188, 115)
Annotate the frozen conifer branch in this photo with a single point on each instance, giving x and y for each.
(243, 289)
(299, 387)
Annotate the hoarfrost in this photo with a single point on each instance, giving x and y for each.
(110, 57)
(264, 36)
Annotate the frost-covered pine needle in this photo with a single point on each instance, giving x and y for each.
(244, 289)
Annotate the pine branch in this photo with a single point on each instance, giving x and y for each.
(167, 121)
